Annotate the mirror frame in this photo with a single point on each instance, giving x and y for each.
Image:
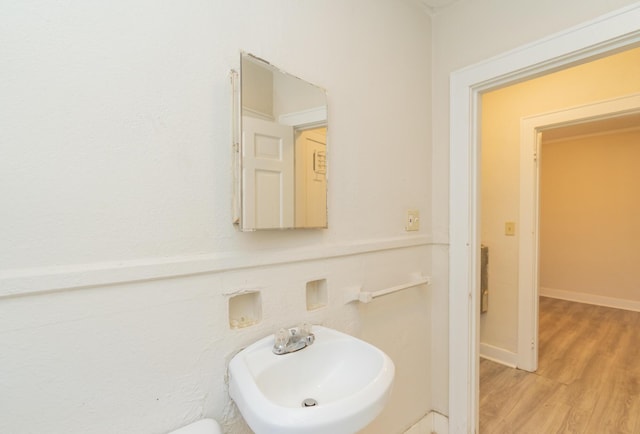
(316, 119)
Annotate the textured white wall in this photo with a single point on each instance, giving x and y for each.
(117, 123)
(465, 33)
(116, 198)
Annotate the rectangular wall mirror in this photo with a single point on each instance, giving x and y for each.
(280, 144)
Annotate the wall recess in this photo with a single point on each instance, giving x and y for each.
(245, 309)
(317, 297)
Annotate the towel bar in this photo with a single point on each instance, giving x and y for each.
(357, 294)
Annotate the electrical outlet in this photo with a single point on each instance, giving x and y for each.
(413, 220)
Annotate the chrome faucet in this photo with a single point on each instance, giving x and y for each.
(293, 339)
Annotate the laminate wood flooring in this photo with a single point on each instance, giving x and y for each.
(587, 382)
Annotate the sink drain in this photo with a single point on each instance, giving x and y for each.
(309, 402)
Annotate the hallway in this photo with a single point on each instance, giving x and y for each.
(588, 378)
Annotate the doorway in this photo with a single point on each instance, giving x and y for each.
(583, 118)
(589, 185)
(610, 34)
(511, 157)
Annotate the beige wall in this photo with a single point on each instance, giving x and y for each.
(501, 113)
(589, 232)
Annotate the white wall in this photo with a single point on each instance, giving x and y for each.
(465, 33)
(118, 255)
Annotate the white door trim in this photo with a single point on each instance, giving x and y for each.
(530, 129)
(606, 34)
(530, 141)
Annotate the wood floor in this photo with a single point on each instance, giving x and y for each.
(588, 378)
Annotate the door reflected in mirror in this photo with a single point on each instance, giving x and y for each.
(283, 149)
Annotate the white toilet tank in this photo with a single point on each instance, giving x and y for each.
(204, 426)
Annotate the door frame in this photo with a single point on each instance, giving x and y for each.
(605, 35)
(528, 261)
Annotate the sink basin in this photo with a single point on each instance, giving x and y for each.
(345, 383)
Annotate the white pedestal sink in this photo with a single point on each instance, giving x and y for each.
(337, 385)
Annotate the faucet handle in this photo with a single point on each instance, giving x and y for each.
(281, 338)
(305, 333)
(305, 328)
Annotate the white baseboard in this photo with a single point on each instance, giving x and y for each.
(440, 423)
(508, 358)
(432, 423)
(600, 300)
(498, 355)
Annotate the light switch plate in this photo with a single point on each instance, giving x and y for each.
(510, 228)
(413, 220)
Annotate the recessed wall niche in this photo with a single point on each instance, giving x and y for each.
(245, 309)
(317, 294)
